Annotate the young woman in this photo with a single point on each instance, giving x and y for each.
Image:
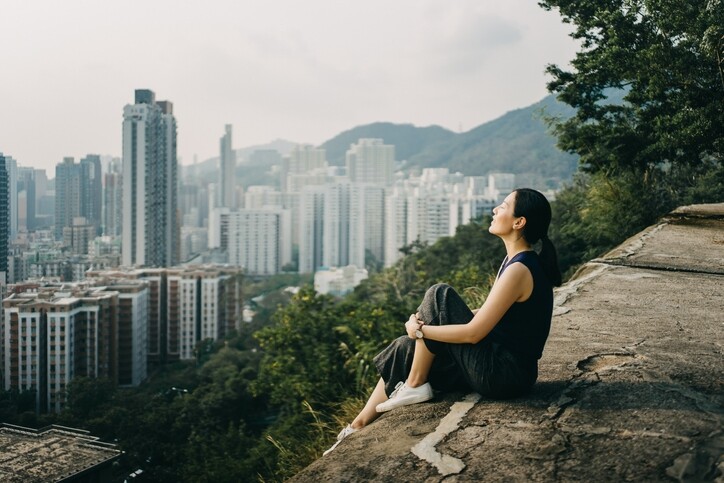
(493, 351)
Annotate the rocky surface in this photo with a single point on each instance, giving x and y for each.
(631, 384)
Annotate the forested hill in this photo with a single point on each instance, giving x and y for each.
(517, 142)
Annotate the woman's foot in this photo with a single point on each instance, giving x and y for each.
(342, 434)
(404, 395)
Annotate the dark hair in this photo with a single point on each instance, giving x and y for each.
(532, 205)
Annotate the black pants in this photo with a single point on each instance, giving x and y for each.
(486, 367)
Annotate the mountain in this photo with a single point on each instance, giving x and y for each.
(518, 142)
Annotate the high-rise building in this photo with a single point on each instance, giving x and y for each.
(44, 200)
(261, 196)
(12, 169)
(433, 206)
(311, 228)
(77, 192)
(26, 194)
(180, 313)
(92, 191)
(151, 226)
(371, 161)
(303, 159)
(54, 333)
(227, 170)
(67, 194)
(259, 240)
(367, 226)
(79, 235)
(336, 219)
(4, 220)
(113, 204)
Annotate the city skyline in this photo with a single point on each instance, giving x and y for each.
(301, 72)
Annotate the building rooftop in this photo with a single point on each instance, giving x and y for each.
(55, 453)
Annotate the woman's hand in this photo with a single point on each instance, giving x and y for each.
(412, 324)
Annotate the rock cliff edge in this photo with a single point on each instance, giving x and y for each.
(631, 384)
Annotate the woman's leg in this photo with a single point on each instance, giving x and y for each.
(421, 364)
(368, 413)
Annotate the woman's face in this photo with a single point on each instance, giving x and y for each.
(503, 217)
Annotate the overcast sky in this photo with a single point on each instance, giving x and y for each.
(297, 70)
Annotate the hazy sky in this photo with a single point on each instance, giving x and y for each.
(297, 70)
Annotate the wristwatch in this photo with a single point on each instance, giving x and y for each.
(418, 333)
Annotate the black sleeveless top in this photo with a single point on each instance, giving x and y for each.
(524, 328)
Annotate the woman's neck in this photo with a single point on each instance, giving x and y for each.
(514, 247)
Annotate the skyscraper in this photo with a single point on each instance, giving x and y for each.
(371, 161)
(78, 192)
(151, 228)
(26, 191)
(4, 219)
(227, 171)
(259, 240)
(12, 172)
(303, 159)
(113, 204)
(67, 194)
(92, 200)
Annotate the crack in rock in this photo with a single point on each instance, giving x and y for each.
(425, 449)
(562, 294)
(601, 362)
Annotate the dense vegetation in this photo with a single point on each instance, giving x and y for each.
(658, 142)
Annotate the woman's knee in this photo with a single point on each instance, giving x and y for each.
(434, 290)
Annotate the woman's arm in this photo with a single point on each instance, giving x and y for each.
(515, 285)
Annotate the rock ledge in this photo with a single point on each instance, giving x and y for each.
(631, 384)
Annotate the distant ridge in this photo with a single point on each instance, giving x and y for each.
(517, 142)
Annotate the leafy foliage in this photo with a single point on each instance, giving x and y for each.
(668, 56)
(647, 87)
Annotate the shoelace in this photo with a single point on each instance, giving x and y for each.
(397, 389)
(345, 432)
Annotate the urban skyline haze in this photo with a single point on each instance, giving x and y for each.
(300, 71)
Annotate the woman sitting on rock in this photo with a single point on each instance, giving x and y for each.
(493, 351)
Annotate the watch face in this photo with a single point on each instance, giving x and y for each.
(419, 334)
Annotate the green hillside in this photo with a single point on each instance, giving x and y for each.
(518, 142)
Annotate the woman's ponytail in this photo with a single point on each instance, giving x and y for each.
(549, 260)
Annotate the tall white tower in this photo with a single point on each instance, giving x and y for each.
(151, 231)
(227, 171)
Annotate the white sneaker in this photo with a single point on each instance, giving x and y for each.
(404, 395)
(342, 434)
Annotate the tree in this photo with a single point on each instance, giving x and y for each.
(666, 57)
(647, 86)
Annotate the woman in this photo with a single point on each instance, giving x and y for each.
(493, 351)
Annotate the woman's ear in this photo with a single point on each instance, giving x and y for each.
(520, 223)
